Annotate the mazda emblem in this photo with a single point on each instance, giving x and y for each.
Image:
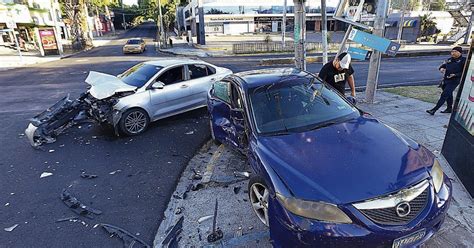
(403, 209)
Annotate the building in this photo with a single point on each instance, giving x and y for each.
(241, 16)
(29, 15)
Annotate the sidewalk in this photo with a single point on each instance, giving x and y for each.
(210, 175)
(9, 58)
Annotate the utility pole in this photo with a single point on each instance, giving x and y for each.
(161, 24)
(374, 64)
(324, 23)
(402, 20)
(283, 24)
(300, 34)
(57, 31)
(123, 18)
(469, 26)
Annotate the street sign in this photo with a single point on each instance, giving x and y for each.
(358, 53)
(373, 41)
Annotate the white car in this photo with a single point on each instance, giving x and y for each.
(147, 92)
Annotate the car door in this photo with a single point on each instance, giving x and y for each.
(227, 115)
(171, 98)
(201, 77)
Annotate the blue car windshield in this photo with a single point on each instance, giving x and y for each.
(140, 74)
(297, 106)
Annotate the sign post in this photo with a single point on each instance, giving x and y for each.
(11, 24)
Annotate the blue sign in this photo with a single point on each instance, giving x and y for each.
(360, 54)
(375, 42)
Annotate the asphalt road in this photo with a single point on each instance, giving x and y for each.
(133, 198)
(146, 167)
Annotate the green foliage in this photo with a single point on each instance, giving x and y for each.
(427, 26)
(411, 4)
(434, 5)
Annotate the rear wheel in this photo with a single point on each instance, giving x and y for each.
(134, 121)
(259, 196)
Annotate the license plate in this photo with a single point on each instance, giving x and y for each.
(408, 240)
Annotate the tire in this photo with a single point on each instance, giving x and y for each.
(213, 137)
(134, 122)
(259, 206)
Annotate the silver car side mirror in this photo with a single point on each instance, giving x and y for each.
(158, 85)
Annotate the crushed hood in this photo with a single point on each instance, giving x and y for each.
(105, 85)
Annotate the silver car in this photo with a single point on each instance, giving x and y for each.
(146, 92)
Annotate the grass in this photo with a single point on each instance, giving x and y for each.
(424, 93)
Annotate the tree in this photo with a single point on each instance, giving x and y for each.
(427, 26)
(411, 4)
(75, 12)
(434, 5)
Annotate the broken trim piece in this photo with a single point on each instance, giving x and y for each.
(129, 240)
(77, 207)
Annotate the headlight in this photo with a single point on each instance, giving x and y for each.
(314, 210)
(437, 175)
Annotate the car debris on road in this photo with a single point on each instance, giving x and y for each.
(77, 207)
(129, 240)
(9, 229)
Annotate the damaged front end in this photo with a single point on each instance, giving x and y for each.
(45, 127)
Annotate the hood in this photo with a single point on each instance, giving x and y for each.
(105, 85)
(347, 162)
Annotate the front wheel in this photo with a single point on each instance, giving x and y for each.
(259, 196)
(134, 122)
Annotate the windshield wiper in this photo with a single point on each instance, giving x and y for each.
(324, 124)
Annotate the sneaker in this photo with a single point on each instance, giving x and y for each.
(431, 111)
(447, 111)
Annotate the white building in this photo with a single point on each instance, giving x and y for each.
(243, 16)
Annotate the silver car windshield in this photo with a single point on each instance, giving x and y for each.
(297, 106)
(140, 74)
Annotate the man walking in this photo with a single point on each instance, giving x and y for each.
(339, 71)
(452, 72)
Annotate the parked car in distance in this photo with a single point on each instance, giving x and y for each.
(134, 45)
(326, 174)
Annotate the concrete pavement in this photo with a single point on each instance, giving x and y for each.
(236, 219)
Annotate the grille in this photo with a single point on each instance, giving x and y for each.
(388, 216)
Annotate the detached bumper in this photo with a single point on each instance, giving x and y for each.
(290, 230)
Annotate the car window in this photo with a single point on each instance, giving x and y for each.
(221, 90)
(236, 99)
(211, 70)
(140, 74)
(298, 105)
(197, 71)
(172, 76)
(133, 42)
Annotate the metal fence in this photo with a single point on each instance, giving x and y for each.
(267, 47)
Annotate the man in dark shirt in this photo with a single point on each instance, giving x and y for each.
(339, 71)
(452, 71)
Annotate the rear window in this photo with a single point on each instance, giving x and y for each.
(197, 71)
(140, 74)
(133, 42)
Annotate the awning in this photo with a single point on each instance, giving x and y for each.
(391, 23)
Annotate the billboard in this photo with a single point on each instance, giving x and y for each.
(48, 41)
(356, 10)
(465, 114)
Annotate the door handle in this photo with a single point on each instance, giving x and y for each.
(184, 86)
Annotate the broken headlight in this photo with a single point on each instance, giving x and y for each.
(320, 211)
(437, 175)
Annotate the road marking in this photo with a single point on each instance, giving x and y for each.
(211, 164)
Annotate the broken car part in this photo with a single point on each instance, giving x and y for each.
(217, 233)
(88, 176)
(129, 240)
(77, 207)
(172, 236)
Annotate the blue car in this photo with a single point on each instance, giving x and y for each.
(326, 174)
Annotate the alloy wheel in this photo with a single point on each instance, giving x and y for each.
(135, 122)
(259, 195)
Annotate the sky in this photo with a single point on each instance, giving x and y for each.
(129, 2)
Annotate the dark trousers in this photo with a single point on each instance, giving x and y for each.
(446, 96)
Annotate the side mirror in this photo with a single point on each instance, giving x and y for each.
(158, 85)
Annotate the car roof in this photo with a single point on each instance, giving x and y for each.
(255, 78)
(173, 61)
